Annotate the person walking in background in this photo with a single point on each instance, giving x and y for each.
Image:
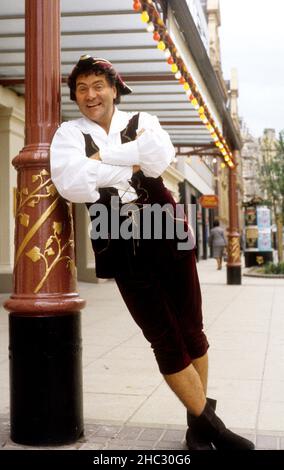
(109, 154)
(218, 242)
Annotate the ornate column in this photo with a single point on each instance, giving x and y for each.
(45, 338)
(234, 254)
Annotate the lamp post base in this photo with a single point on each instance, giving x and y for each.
(45, 378)
(234, 275)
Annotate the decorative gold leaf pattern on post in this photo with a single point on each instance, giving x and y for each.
(31, 199)
(234, 249)
(52, 248)
(24, 219)
(57, 227)
(53, 251)
(34, 254)
(51, 189)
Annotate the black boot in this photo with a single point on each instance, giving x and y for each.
(195, 439)
(214, 430)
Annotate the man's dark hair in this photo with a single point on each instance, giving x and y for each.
(89, 69)
(216, 223)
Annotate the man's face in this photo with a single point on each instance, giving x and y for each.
(95, 96)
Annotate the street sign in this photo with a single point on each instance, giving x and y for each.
(209, 201)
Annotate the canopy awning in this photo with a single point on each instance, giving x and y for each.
(115, 31)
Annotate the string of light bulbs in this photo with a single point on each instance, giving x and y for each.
(154, 24)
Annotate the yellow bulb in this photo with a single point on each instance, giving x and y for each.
(186, 86)
(145, 17)
(174, 68)
(194, 102)
(223, 165)
(161, 45)
(201, 110)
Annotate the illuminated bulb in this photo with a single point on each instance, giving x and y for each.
(223, 165)
(156, 36)
(226, 158)
(167, 53)
(189, 93)
(145, 17)
(161, 45)
(201, 110)
(182, 80)
(203, 118)
(186, 86)
(170, 60)
(150, 27)
(174, 68)
(214, 160)
(137, 5)
(160, 22)
(178, 75)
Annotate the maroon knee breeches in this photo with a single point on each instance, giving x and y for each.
(167, 307)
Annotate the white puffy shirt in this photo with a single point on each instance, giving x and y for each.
(78, 178)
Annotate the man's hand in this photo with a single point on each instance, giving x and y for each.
(96, 156)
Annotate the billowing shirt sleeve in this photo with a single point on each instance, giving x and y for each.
(153, 150)
(156, 150)
(76, 177)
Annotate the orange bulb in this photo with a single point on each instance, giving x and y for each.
(137, 5)
(156, 36)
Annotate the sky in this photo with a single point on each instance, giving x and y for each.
(252, 41)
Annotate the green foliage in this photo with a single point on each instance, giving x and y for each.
(271, 173)
(271, 268)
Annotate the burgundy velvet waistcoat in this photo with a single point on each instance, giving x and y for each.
(119, 257)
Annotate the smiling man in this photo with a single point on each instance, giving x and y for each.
(111, 156)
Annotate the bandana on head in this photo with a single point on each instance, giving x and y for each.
(86, 62)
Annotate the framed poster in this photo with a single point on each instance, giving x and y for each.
(264, 239)
(250, 216)
(251, 238)
(263, 217)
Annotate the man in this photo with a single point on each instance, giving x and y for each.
(127, 155)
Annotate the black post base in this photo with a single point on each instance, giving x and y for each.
(46, 379)
(234, 275)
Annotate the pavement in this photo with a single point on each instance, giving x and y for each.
(127, 405)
